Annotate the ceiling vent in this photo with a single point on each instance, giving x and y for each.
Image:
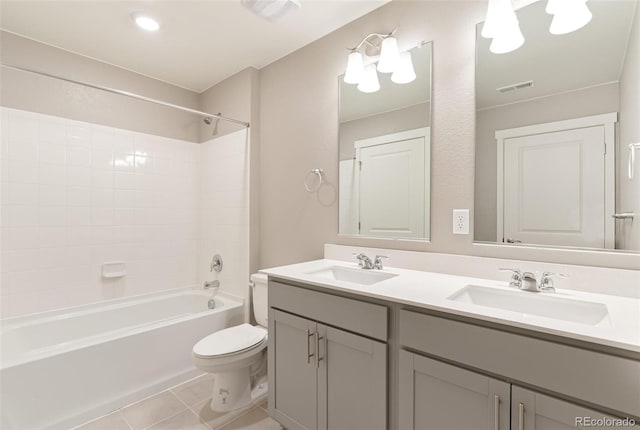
(272, 10)
(514, 87)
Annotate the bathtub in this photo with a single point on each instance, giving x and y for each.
(61, 368)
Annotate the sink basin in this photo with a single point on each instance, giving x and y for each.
(355, 276)
(534, 304)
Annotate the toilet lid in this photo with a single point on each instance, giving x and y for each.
(230, 340)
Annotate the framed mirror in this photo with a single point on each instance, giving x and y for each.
(556, 120)
(385, 153)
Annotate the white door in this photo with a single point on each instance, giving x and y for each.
(554, 188)
(394, 175)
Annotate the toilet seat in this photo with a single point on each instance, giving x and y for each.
(230, 341)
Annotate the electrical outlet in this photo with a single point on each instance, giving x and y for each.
(461, 221)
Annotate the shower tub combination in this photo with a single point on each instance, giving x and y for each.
(64, 367)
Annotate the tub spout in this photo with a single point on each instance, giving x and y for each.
(211, 284)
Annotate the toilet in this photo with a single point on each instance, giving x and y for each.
(237, 356)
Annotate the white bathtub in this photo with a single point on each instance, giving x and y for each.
(64, 367)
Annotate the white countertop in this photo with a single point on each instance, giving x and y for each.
(621, 329)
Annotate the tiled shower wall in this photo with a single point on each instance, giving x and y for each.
(75, 195)
(224, 211)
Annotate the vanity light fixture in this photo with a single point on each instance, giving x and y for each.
(501, 25)
(404, 73)
(364, 72)
(369, 82)
(145, 22)
(568, 15)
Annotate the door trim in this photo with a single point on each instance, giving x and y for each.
(608, 121)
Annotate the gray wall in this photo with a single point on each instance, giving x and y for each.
(408, 118)
(26, 91)
(628, 232)
(299, 120)
(576, 104)
(232, 98)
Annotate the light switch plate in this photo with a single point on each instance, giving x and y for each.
(461, 221)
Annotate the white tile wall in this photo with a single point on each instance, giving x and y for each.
(74, 195)
(224, 212)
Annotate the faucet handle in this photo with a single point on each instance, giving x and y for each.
(546, 281)
(363, 260)
(516, 277)
(377, 262)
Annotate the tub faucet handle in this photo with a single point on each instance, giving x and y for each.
(216, 263)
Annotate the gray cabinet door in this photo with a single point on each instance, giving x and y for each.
(437, 396)
(292, 371)
(352, 381)
(535, 411)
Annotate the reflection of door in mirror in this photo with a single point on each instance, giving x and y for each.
(388, 192)
(532, 190)
(556, 183)
(385, 155)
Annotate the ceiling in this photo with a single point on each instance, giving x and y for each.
(591, 56)
(199, 44)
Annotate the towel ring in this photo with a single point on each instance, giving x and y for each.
(317, 172)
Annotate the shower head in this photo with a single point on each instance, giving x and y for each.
(209, 120)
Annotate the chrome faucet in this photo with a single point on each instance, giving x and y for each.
(527, 281)
(377, 262)
(366, 263)
(516, 277)
(546, 281)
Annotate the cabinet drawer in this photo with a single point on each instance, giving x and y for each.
(594, 377)
(353, 315)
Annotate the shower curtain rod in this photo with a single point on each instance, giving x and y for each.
(132, 95)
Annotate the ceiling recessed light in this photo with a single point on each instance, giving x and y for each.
(145, 22)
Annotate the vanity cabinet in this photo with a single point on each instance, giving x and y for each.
(531, 410)
(339, 361)
(438, 395)
(323, 377)
(435, 395)
(295, 373)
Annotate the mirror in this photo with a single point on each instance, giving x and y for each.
(555, 120)
(385, 155)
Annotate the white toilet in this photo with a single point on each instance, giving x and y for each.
(237, 355)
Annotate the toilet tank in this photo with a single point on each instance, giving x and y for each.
(260, 306)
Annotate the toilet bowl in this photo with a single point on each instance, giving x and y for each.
(236, 355)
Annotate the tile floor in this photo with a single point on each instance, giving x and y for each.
(184, 407)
